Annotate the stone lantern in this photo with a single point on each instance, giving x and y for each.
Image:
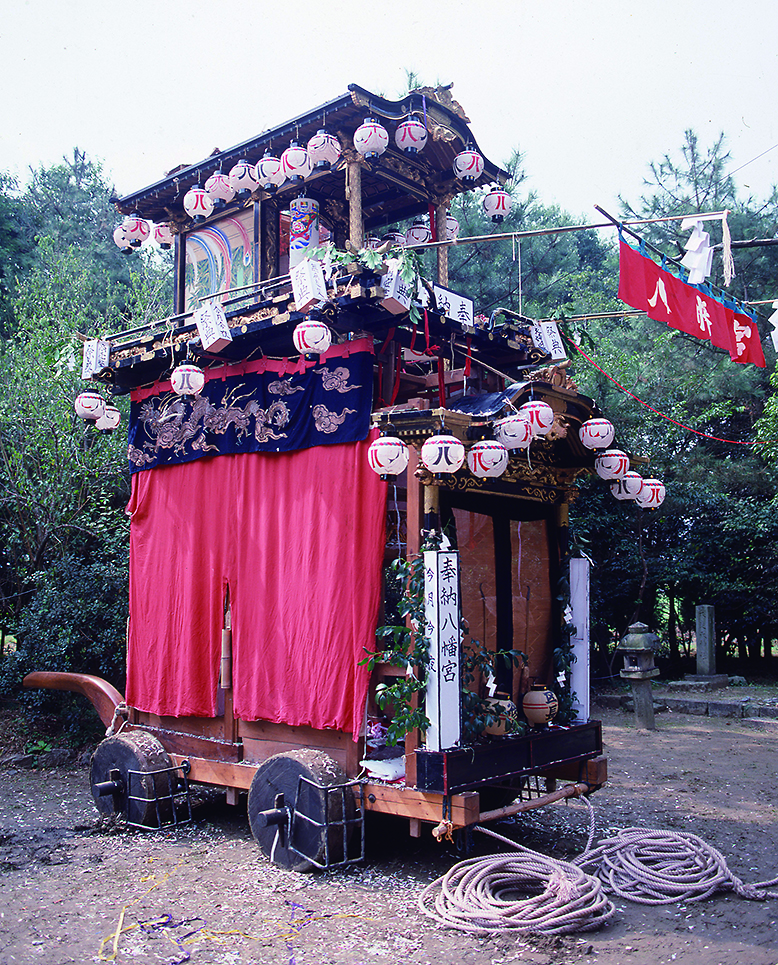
(638, 648)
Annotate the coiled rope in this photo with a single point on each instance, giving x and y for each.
(651, 867)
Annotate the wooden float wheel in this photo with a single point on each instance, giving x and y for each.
(123, 781)
(280, 775)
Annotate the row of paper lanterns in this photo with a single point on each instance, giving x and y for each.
(296, 164)
(445, 454)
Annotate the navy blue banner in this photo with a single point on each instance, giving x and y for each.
(255, 407)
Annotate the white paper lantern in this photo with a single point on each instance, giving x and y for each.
(388, 456)
(295, 163)
(443, 454)
(89, 406)
(243, 178)
(540, 416)
(372, 242)
(121, 240)
(163, 236)
(109, 420)
(371, 138)
(269, 174)
(323, 150)
(187, 379)
(220, 188)
(497, 204)
(312, 336)
(651, 495)
(452, 228)
(418, 234)
(597, 433)
(487, 459)
(514, 432)
(396, 238)
(628, 486)
(611, 464)
(136, 230)
(468, 166)
(411, 135)
(198, 204)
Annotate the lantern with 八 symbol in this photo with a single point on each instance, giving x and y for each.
(295, 163)
(243, 178)
(628, 486)
(312, 336)
(514, 432)
(220, 188)
(163, 236)
(651, 495)
(468, 166)
(596, 433)
(411, 135)
(540, 416)
(611, 464)
(371, 138)
(323, 150)
(418, 233)
(497, 204)
(109, 420)
(388, 456)
(198, 204)
(268, 172)
(136, 230)
(443, 454)
(452, 228)
(89, 406)
(487, 459)
(187, 379)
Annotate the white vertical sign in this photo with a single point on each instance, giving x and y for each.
(97, 355)
(441, 597)
(212, 327)
(579, 604)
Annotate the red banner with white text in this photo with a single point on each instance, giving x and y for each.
(665, 298)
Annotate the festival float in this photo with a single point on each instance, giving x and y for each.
(351, 589)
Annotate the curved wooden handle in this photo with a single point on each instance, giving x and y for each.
(104, 697)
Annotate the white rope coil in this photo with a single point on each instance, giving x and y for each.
(650, 867)
(480, 895)
(653, 867)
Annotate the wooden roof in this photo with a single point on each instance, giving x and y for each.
(394, 187)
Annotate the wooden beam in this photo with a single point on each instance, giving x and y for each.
(407, 802)
(219, 773)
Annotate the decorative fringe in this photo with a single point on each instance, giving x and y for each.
(726, 251)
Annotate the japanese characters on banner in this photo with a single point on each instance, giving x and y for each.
(453, 305)
(665, 298)
(441, 599)
(545, 335)
(212, 327)
(97, 355)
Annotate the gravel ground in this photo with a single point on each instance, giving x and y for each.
(73, 889)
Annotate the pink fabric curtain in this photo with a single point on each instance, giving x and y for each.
(298, 538)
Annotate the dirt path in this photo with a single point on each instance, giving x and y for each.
(65, 884)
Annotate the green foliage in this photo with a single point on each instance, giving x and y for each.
(406, 645)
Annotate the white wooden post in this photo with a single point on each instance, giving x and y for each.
(579, 604)
(441, 596)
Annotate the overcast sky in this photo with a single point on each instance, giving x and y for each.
(588, 90)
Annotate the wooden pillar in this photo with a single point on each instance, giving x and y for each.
(268, 239)
(354, 194)
(179, 274)
(441, 213)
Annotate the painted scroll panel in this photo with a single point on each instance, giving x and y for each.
(219, 257)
